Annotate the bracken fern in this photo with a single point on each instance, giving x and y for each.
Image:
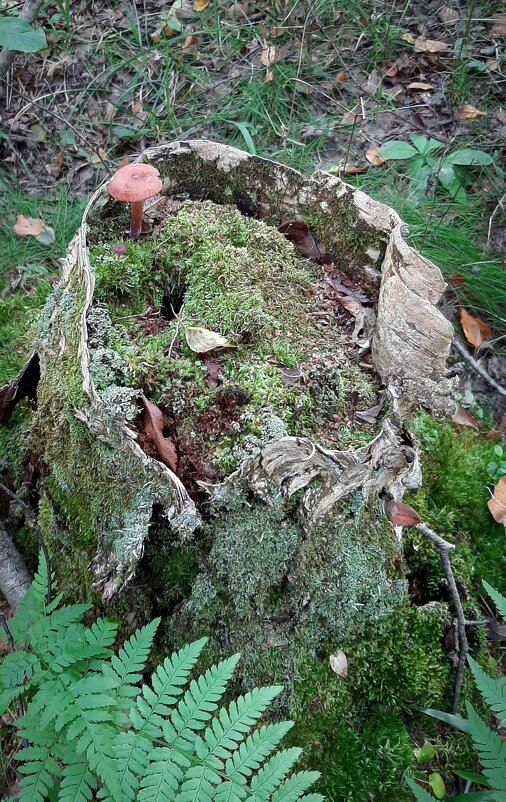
(94, 729)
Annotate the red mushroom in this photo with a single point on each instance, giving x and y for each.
(135, 183)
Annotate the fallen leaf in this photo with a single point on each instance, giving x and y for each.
(352, 116)
(373, 156)
(469, 112)
(200, 5)
(47, 237)
(407, 37)
(214, 371)
(420, 85)
(56, 166)
(154, 424)
(58, 67)
(350, 304)
(457, 279)
(336, 284)
(497, 504)
(341, 76)
(202, 340)
(353, 169)
(499, 27)
(437, 784)
(268, 55)
(190, 40)
(422, 45)
(371, 415)
(448, 15)
(292, 375)
(464, 417)
(339, 663)
(399, 514)
(269, 76)
(299, 233)
(28, 226)
(425, 753)
(476, 330)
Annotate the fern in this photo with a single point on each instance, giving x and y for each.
(96, 731)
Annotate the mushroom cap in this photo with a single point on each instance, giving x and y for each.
(135, 182)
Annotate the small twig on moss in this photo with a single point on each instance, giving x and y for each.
(477, 367)
(28, 13)
(32, 518)
(444, 549)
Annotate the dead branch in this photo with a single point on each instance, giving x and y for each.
(28, 13)
(477, 367)
(14, 577)
(444, 549)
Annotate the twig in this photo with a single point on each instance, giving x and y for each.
(30, 515)
(178, 317)
(444, 554)
(28, 13)
(477, 367)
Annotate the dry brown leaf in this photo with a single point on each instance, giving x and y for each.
(341, 76)
(269, 76)
(464, 417)
(268, 55)
(190, 40)
(469, 112)
(28, 226)
(448, 15)
(420, 85)
(339, 663)
(200, 5)
(373, 156)
(422, 45)
(352, 305)
(457, 279)
(154, 424)
(352, 116)
(58, 67)
(201, 340)
(399, 514)
(299, 233)
(499, 27)
(353, 169)
(497, 504)
(476, 330)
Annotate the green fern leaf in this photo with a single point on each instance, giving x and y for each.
(16, 668)
(198, 785)
(7, 697)
(273, 773)
(128, 665)
(102, 632)
(132, 757)
(162, 777)
(78, 783)
(312, 798)
(232, 724)
(293, 788)
(498, 599)
(493, 690)
(491, 750)
(198, 704)
(168, 682)
(40, 770)
(420, 793)
(254, 750)
(230, 792)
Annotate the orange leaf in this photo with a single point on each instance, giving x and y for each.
(464, 417)
(476, 330)
(373, 156)
(190, 40)
(353, 169)
(341, 76)
(351, 117)
(422, 45)
(28, 226)
(421, 85)
(200, 5)
(469, 112)
(399, 514)
(154, 424)
(497, 504)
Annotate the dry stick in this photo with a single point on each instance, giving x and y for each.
(30, 516)
(28, 13)
(477, 367)
(444, 554)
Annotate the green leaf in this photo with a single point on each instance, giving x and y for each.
(480, 779)
(469, 157)
(425, 753)
(78, 783)
(497, 598)
(273, 773)
(491, 750)
(293, 788)
(437, 784)
(474, 796)
(446, 176)
(397, 150)
(161, 778)
(16, 34)
(457, 722)
(492, 690)
(243, 128)
(425, 145)
(420, 793)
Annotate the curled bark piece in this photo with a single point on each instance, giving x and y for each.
(24, 385)
(14, 577)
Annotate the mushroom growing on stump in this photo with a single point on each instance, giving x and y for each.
(135, 183)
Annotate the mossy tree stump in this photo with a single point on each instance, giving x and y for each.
(269, 535)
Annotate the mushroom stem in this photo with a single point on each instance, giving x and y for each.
(136, 218)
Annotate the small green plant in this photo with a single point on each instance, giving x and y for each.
(90, 722)
(489, 746)
(497, 469)
(17, 34)
(450, 170)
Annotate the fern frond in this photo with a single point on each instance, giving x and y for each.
(254, 750)
(16, 668)
(293, 788)
(198, 704)
(498, 599)
(78, 783)
(128, 665)
(492, 689)
(131, 754)
(102, 632)
(162, 777)
(273, 773)
(40, 770)
(232, 724)
(420, 793)
(168, 682)
(312, 798)
(199, 783)
(491, 751)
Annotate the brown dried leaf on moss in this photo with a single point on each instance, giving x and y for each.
(34, 227)
(464, 417)
(476, 330)
(154, 424)
(299, 233)
(497, 504)
(400, 514)
(201, 340)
